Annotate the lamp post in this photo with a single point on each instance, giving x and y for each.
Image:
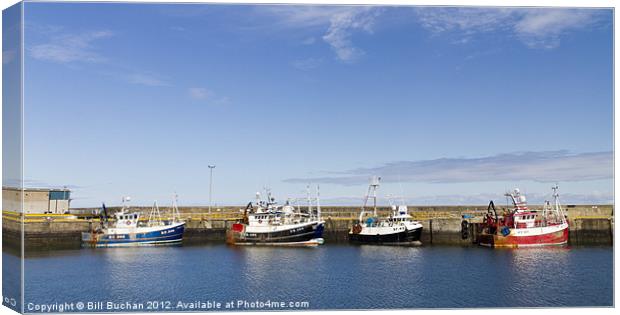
(211, 167)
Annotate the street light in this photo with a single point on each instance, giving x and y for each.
(211, 167)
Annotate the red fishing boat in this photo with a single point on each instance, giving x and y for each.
(523, 227)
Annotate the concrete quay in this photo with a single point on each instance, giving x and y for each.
(589, 225)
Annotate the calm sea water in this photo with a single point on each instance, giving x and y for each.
(327, 277)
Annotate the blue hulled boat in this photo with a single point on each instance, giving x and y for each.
(128, 230)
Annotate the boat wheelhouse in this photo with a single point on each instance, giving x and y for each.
(398, 228)
(267, 223)
(127, 228)
(523, 227)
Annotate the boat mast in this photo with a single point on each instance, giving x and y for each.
(557, 206)
(176, 216)
(545, 213)
(393, 205)
(124, 202)
(270, 200)
(374, 183)
(258, 202)
(154, 214)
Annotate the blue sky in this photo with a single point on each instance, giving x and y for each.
(448, 105)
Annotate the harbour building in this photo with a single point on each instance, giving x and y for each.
(36, 200)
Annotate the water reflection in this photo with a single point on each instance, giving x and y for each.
(330, 276)
(532, 271)
(262, 267)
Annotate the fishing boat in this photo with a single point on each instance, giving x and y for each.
(267, 223)
(525, 227)
(398, 228)
(128, 229)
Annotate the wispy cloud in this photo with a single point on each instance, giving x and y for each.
(199, 93)
(467, 20)
(206, 95)
(481, 199)
(339, 23)
(303, 16)
(544, 28)
(341, 27)
(133, 76)
(547, 166)
(67, 47)
(536, 28)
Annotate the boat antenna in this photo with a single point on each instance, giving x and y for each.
(402, 191)
(374, 183)
(318, 202)
(309, 199)
(125, 200)
(176, 216)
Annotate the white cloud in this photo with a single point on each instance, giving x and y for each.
(481, 199)
(536, 28)
(204, 94)
(468, 20)
(339, 24)
(198, 93)
(548, 166)
(543, 28)
(295, 16)
(66, 48)
(342, 25)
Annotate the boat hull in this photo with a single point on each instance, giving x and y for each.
(405, 237)
(531, 237)
(166, 235)
(309, 234)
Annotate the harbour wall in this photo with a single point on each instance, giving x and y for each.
(443, 225)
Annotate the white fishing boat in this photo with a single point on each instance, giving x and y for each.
(267, 223)
(398, 228)
(127, 229)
